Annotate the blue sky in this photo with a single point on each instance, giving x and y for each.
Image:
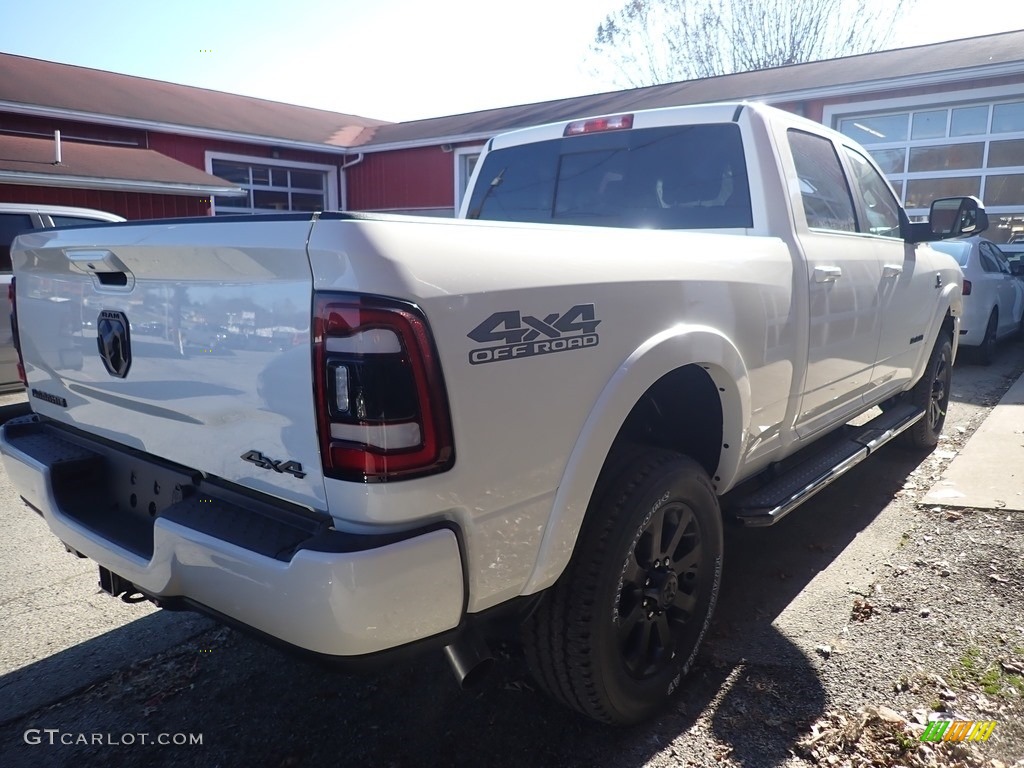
(389, 59)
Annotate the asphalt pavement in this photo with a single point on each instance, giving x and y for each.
(59, 634)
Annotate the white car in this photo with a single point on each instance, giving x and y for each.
(993, 296)
(14, 219)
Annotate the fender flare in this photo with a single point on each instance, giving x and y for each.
(950, 302)
(670, 350)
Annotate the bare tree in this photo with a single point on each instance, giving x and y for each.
(647, 42)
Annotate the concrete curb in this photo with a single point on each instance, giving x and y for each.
(989, 472)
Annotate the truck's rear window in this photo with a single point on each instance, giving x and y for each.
(679, 177)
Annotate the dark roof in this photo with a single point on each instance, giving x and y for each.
(862, 70)
(99, 166)
(45, 83)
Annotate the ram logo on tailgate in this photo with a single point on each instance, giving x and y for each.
(113, 342)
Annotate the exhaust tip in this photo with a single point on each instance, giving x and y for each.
(470, 659)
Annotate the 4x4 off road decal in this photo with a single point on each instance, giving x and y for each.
(525, 335)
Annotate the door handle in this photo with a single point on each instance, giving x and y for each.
(827, 274)
(892, 270)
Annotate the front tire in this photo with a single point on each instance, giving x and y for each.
(613, 638)
(931, 394)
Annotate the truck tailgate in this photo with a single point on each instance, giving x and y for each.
(187, 341)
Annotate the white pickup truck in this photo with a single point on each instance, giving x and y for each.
(397, 433)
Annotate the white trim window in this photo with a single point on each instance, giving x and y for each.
(960, 146)
(465, 162)
(273, 186)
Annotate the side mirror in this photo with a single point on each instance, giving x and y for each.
(956, 216)
(949, 217)
(1017, 268)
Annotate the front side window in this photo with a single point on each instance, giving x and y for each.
(880, 207)
(823, 187)
(677, 177)
(270, 188)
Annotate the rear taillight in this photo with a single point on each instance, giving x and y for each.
(966, 291)
(12, 296)
(382, 411)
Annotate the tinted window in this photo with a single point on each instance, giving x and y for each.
(11, 224)
(73, 221)
(826, 196)
(988, 263)
(996, 255)
(880, 207)
(679, 177)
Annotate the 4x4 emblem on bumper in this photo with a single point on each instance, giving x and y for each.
(113, 342)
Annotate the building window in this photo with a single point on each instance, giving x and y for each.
(921, 192)
(465, 163)
(271, 186)
(929, 150)
(1007, 118)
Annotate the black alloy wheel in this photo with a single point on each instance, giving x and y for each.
(616, 634)
(658, 589)
(931, 394)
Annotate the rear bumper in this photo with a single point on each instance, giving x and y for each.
(280, 571)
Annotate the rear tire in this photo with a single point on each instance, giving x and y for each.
(931, 394)
(621, 627)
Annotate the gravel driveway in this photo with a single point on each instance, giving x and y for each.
(838, 631)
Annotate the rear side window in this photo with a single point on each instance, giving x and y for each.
(679, 177)
(996, 255)
(73, 221)
(988, 263)
(11, 225)
(823, 187)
